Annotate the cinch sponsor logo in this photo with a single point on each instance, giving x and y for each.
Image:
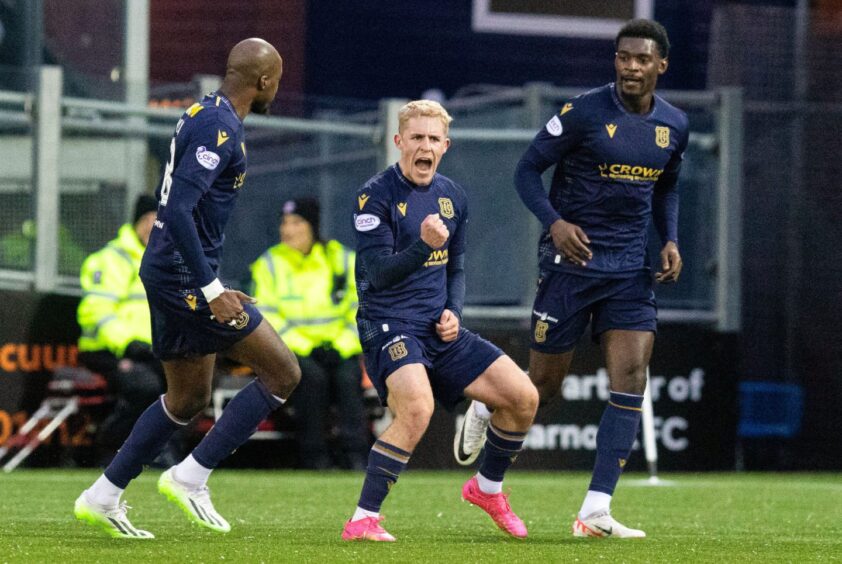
(437, 258)
(208, 159)
(629, 172)
(366, 222)
(27, 357)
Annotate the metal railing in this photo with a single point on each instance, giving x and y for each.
(319, 150)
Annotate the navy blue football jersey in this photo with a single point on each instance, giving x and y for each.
(201, 182)
(388, 213)
(609, 163)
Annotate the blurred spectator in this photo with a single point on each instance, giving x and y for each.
(305, 288)
(116, 336)
(17, 249)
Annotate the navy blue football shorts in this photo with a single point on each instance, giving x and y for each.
(182, 326)
(451, 367)
(565, 303)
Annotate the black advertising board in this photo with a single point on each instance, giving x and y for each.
(694, 383)
(693, 378)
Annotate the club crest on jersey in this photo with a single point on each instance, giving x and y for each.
(662, 137)
(610, 128)
(554, 127)
(366, 222)
(446, 208)
(541, 331)
(402, 208)
(362, 199)
(398, 351)
(208, 159)
(191, 301)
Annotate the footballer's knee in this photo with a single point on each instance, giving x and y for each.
(284, 379)
(629, 379)
(414, 418)
(529, 401)
(520, 404)
(185, 407)
(546, 386)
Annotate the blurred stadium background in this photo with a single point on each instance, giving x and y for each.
(746, 371)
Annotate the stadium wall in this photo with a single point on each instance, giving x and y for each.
(372, 53)
(193, 36)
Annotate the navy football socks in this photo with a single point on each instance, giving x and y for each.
(385, 463)
(238, 422)
(501, 449)
(148, 437)
(614, 440)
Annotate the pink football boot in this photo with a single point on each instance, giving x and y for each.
(497, 506)
(367, 528)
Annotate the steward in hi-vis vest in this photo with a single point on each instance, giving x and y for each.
(305, 288)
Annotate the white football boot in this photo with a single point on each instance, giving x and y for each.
(195, 502)
(469, 440)
(603, 525)
(112, 520)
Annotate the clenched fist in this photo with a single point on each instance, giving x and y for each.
(433, 231)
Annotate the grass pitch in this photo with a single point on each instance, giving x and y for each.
(284, 516)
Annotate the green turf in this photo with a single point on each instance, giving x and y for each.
(287, 516)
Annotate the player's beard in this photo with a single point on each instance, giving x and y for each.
(261, 108)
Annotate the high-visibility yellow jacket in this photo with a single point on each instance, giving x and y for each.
(113, 311)
(310, 300)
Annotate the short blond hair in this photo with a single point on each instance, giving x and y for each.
(423, 108)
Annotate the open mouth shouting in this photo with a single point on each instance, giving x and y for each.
(424, 165)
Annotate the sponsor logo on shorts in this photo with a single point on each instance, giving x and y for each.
(398, 351)
(541, 331)
(191, 301)
(544, 316)
(541, 325)
(366, 222)
(208, 159)
(241, 320)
